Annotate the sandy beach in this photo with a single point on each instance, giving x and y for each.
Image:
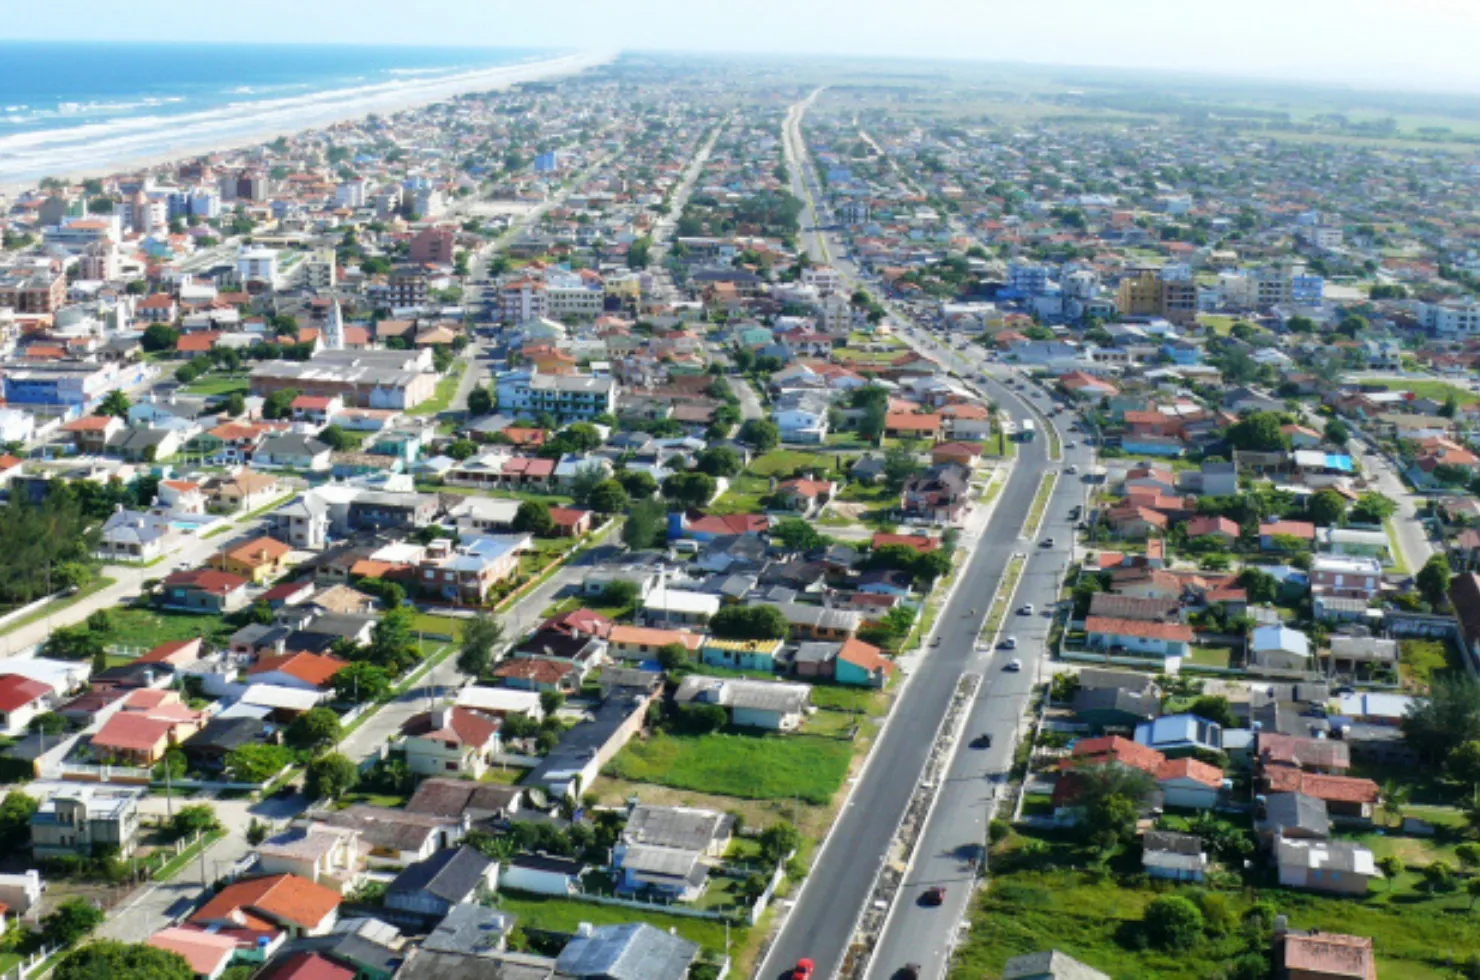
(108, 148)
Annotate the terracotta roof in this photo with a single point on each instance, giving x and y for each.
(462, 727)
(919, 542)
(912, 421)
(655, 638)
(91, 423)
(165, 652)
(1190, 769)
(568, 516)
(1300, 752)
(259, 551)
(132, 731)
(204, 951)
(281, 898)
(535, 671)
(1295, 529)
(17, 691)
(207, 580)
(1330, 954)
(581, 620)
(865, 655)
(730, 524)
(1113, 748)
(313, 669)
(1332, 789)
(8, 461)
(1138, 627)
(307, 966)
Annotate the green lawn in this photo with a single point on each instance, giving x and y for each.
(1210, 656)
(218, 384)
(503, 775)
(752, 767)
(832, 723)
(860, 699)
(1420, 660)
(57, 605)
(1040, 505)
(146, 629)
(785, 461)
(431, 623)
(565, 915)
(446, 388)
(1437, 390)
(1094, 920)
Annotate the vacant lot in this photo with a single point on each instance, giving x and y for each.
(564, 915)
(752, 767)
(146, 629)
(1420, 660)
(1437, 390)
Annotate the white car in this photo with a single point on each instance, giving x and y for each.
(1072, 469)
(1013, 666)
(1026, 609)
(1010, 643)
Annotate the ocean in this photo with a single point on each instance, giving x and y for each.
(69, 107)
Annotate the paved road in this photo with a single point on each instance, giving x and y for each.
(820, 925)
(750, 402)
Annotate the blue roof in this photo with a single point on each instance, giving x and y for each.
(1335, 461)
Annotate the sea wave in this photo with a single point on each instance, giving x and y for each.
(93, 145)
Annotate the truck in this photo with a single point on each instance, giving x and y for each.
(1025, 431)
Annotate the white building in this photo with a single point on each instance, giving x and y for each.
(1450, 318)
(257, 265)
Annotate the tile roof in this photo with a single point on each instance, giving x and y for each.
(1330, 954)
(204, 951)
(132, 731)
(1332, 789)
(1138, 627)
(282, 898)
(306, 966)
(455, 726)
(865, 655)
(207, 580)
(17, 691)
(1190, 769)
(314, 669)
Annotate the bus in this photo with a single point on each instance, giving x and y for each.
(1026, 431)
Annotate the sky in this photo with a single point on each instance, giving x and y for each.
(1405, 44)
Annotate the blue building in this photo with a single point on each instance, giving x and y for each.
(1307, 289)
(1027, 278)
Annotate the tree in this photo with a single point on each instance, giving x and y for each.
(254, 763)
(1472, 888)
(1327, 508)
(1463, 764)
(1433, 579)
(533, 517)
(480, 401)
(690, 489)
(749, 623)
(762, 435)
(122, 961)
(461, 449)
(330, 777)
(1373, 508)
(585, 482)
(777, 841)
(15, 820)
(900, 463)
(608, 497)
(796, 534)
(1337, 432)
(550, 702)
(192, 819)
(1468, 855)
(646, 525)
(1438, 876)
(114, 403)
(718, 461)
(673, 656)
(640, 485)
(279, 404)
(72, 919)
(1172, 922)
(1444, 718)
(337, 439)
(360, 682)
(392, 640)
(315, 729)
(1215, 708)
(1259, 585)
(931, 565)
(1260, 431)
(75, 643)
(1391, 866)
(479, 636)
(159, 337)
(235, 404)
(1109, 796)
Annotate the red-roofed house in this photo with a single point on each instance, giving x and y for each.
(176, 653)
(90, 434)
(1221, 528)
(21, 699)
(136, 738)
(538, 674)
(307, 966)
(204, 590)
(570, 522)
(451, 741)
(1086, 385)
(806, 497)
(912, 425)
(921, 543)
(861, 664)
(708, 527)
(968, 454)
(1348, 799)
(208, 954)
(285, 902)
(1300, 530)
(302, 671)
(579, 622)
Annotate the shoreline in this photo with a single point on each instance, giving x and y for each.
(323, 109)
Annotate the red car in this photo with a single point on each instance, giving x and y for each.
(803, 970)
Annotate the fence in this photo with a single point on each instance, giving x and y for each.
(30, 964)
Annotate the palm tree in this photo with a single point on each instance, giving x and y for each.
(1395, 797)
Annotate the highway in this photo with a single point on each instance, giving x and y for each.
(821, 923)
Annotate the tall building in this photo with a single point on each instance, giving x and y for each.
(334, 327)
(1139, 293)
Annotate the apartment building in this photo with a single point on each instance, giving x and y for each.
(566, 396)
(433, 245)
(522, 301)
(37, 293)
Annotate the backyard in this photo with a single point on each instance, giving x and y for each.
(566, 915)
(755, 767)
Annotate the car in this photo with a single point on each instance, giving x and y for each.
(803, 970)
(935, 640)
(982, 741)
(933, 896)
(910, 971)
(1072, 468)
(1026, 609)
(1071, 444)
(1047, 543)
(1013, 666)
(1010, 643)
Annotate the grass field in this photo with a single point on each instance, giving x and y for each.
(1437, 390)
(753, 767)
(1210, 656)
(1420, 660)
(217, 384)
(57, 605)
(446, 388)
(145, 629)
(565, 915)
(1093, 919)
(867, 701)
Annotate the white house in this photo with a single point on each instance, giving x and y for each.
(322, 854)
(1280, 648)
(453, 740)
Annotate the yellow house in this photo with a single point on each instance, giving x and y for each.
(259, 560)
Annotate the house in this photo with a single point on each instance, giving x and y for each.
(571, 522)
(79, 818)
(740, 654)
(20, 892)
(134, 536)
(431, 888)
(1345, 577)
(1348, 800)
(912, 425)
(1112, 707)
(1183, 782)
(1321, 955)
(259, 560)
(459, 799)
(306, 966)
(1321, 755)
(209, 747)
(22, 699)
(805, 497)
(861, 664)
(330, 856)
(643, 643)
(1292, 816)
(1138, 637)
(292, 451)
(538, 674)
(771, 705)
(820, 622)
(467, 571)
(395, 837)
(1334, 867)
(630, 951)
(450, 740)
(938, 494)
(303, 671)
(1189, 783)
(679, 607)
(1049, 965)
(1177, 857)
(967, 454)
(138, 738)
(707, 832)
(1280, 648)
(244, 490)
(208, 954)
(175, 653)
(1303, 532)
(1183, 734)
(1221, 529)
(676, 874)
